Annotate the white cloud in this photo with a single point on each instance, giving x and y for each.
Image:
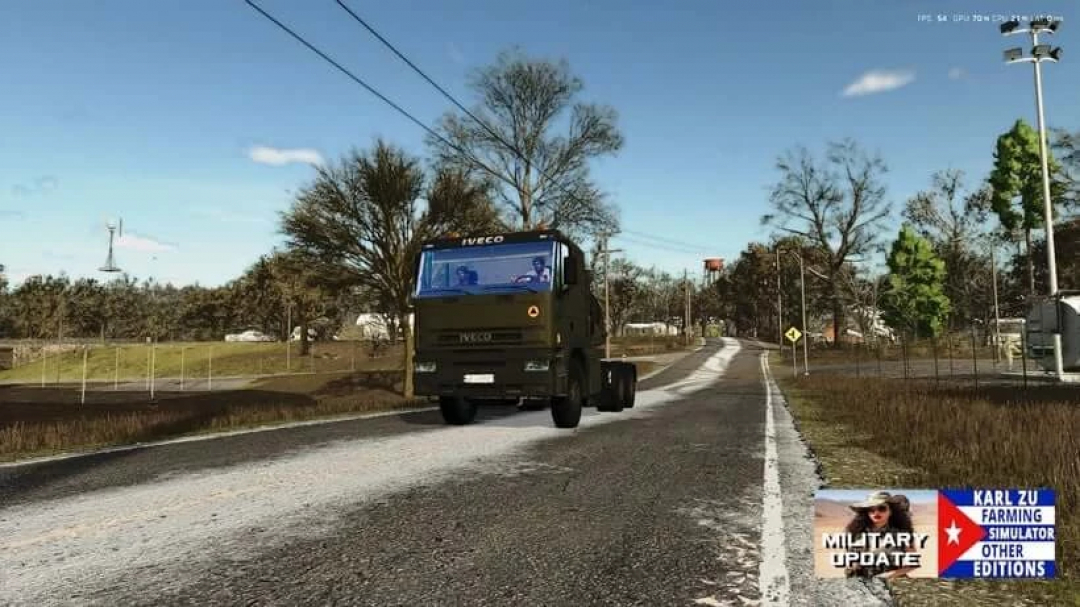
(956, 73)
(142, 244)
(455, 54)
(234, 217)
(281, 157)
(879, 81)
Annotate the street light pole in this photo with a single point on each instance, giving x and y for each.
(997, 311)
(1041, 53)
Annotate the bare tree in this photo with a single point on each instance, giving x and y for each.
(838, 205)
(543, 177)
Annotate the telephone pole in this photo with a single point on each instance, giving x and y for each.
(686, 322)
(779, 308)
(607, 297)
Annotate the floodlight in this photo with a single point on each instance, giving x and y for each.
(1014, 54)
(1009, 27)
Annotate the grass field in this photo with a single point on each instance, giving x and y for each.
(37, 420)
(199, 360)
(869, 432)
(105, 363)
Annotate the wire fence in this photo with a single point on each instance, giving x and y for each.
(959, 357)
(193, 366)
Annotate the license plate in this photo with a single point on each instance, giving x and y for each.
(479, 378)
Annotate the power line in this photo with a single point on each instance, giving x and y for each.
(491, 131)
(373, 91)
(412, 118)
(670, 241)
(684, 250)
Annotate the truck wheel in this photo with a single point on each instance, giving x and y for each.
(611, 394)
(566, 410)
(457, 411)
(630, 392)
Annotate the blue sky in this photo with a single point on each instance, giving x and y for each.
(151, 110)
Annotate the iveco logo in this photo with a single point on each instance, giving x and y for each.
(474, 337)
(481, 240)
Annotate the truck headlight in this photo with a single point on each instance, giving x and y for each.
(537, 365)
(425, 367)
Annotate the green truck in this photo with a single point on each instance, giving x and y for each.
(511, 318)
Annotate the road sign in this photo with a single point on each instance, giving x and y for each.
(793, 335)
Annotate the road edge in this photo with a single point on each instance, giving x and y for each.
(211, 436)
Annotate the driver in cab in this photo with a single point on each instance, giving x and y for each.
(540, 272)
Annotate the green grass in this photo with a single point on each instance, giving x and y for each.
(198, 359)
(894, 433)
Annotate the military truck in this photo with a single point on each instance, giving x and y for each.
(511, 318)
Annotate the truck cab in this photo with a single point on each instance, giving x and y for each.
(506, 317)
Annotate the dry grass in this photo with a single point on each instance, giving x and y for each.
(36, 421)
(880, 433)
(32, 423)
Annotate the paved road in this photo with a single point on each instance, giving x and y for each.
(699, 495)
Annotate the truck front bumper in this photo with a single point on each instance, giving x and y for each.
(503, 373)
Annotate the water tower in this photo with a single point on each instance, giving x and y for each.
(713, 267)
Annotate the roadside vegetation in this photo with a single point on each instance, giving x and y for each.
(870, 432)
(40, 421)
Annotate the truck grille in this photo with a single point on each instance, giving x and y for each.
(480, 337)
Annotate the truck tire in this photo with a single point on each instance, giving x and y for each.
(611, 394)
(457, 411)
(566, 410)
(630, 393)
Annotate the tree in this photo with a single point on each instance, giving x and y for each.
(837, 205)
(1067, 247)
(952, 219)
(540, 176)
(1066, 146)
(625, 287)
(364, 216)
(914, 300)
(7, 324)
(1017, 175)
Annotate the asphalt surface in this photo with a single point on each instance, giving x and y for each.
(663, 504)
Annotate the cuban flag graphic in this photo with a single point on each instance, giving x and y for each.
(996, 533)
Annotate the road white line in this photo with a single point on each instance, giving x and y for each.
(773, 576)
(177, 526)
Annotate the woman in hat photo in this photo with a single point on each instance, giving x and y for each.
(884, 514)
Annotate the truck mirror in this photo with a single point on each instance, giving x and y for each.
(570, 274)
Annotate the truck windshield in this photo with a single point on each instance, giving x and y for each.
(526, 266)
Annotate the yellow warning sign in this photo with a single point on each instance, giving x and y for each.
(793, 334)
(534, 311)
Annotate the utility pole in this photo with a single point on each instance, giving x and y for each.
(607, 296)
(780, 308)
(806, 331)
(686, 313)
(1040, 53)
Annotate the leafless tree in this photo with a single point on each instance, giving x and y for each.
(837, 204)
(542, 176)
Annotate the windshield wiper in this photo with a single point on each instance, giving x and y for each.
(513, 287)
(441, 290)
